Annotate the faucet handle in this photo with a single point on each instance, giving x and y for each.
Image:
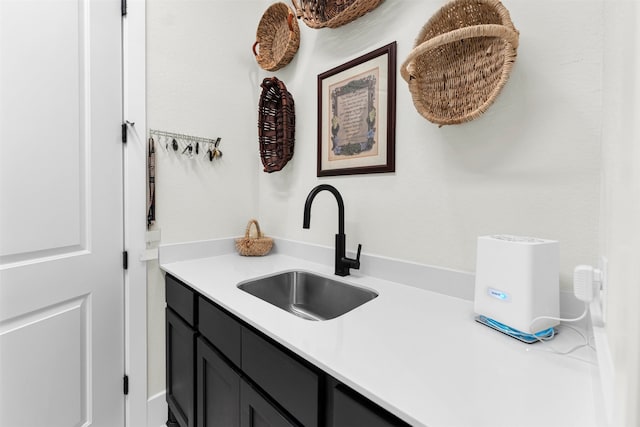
(348, 263)
(356, 262)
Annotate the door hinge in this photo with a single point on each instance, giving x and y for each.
(123, 7)
(125, 384)
(125, 260)
(124, 133)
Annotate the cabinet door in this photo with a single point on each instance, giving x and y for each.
(218, 386)
(180, 351)
(351, 409)
(256, 411)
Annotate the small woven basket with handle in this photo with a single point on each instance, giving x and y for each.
(332, 13)
(277, 37)
(254, 246)
(462, 58)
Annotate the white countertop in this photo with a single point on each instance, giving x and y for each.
(417, 353)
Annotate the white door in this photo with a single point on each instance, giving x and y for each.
(61, 214)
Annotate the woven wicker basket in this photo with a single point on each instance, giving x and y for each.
(276, 125)
(254, 246)
(278, 37)
(462, 58)
(332, 13)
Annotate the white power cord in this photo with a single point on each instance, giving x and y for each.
(586, 285)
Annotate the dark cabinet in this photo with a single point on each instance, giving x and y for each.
(218, 389)
(294, 386)
(256, 411)
(350, 409)
(181, 299)
(180, 341)
(221, 372)
(221, 329)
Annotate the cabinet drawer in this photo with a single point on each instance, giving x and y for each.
(350, 409)
(287, 381)
(220, 329)
(181, 299)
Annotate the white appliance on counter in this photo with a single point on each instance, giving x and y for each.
(517, 280)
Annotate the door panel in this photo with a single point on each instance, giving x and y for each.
(256, 411)
(49, 92)
(61, 216)
(180, 353)
(218, 389)
(56, 386)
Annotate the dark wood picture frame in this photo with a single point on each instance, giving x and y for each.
(357, 114)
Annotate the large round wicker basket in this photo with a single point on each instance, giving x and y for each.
(332, 13)
(277, 37)
(462, 58)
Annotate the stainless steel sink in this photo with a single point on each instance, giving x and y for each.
(308, 295)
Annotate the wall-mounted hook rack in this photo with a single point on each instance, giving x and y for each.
(188, 145)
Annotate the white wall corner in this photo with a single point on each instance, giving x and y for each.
(605, 362)
(134, 111)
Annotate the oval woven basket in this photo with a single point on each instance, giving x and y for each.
(276, 125)
(254, 246)
(462, 58)
(332, 13)
(277, 37)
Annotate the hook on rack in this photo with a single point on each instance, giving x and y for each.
(214, 152)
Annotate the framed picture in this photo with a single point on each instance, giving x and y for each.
(357, 114)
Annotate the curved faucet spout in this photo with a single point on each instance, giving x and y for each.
(342, 263)
(306, 222)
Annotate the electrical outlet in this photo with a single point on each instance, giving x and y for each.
(598, 306)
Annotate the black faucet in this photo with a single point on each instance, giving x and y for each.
(343, 264)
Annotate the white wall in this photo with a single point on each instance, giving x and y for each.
(201, 80)
(531, 165)
(621, 202)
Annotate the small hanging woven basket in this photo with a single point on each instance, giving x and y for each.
(254, 246)
(332, 13)
(462, 58)
(276, 125)
(277, 37)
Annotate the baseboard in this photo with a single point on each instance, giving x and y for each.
(157, 410)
